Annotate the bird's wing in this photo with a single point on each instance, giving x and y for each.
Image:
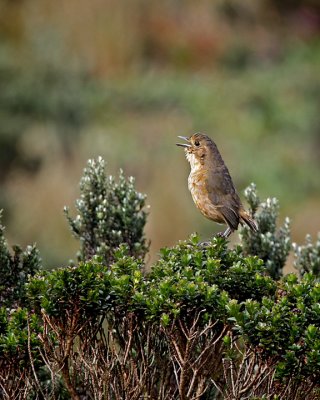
(223, 196)
(230, 216)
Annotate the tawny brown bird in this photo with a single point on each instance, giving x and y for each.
(211, 185)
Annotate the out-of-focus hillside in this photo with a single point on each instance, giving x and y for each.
(123, 79)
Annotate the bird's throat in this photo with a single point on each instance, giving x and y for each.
(195, 162)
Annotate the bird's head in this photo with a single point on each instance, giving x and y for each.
(198, 149)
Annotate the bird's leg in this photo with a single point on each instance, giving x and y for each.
(226, 233)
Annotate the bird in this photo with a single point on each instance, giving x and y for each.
(211, 186)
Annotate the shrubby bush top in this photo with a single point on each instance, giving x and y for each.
(110, 213)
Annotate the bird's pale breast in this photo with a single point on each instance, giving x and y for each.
(198, 188)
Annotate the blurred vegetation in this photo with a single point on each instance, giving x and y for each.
(121, 80)
(307, 256)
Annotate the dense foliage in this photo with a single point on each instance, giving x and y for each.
(205, 322)
(15, 269)
(20, 361)
(285, 332)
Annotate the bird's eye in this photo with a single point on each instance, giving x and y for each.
(197, 143)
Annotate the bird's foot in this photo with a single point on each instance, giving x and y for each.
(224, 234)
(204, 244)
(220, 234)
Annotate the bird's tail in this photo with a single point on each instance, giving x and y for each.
(245, 217)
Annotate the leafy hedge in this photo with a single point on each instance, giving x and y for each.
(206, 322)
(198, 322)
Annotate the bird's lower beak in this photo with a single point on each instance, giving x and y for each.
(183, 144)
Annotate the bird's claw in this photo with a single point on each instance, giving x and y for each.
(204, 244)
(220, 234)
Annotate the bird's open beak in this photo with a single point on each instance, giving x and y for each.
(184, 144)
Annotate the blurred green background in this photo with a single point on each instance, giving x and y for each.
(122, 79)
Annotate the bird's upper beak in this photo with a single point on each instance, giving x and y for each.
(184, 144)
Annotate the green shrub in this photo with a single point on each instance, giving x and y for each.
(109, 213)
(307, 256)
(241, 277)
(15, 270)
(206, 322)
(19, 353)
(200, 321)
(270, 244)
(285, 333)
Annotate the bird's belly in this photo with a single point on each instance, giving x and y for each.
(201, 199)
